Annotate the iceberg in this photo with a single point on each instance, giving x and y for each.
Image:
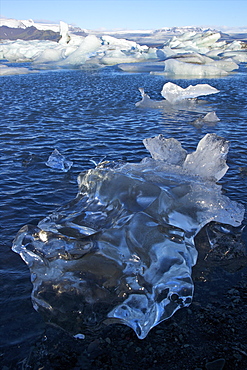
(64, 33)
(123, 250)
(58, 162)
(174, 93)
(180, 68)
(89, 45)
(193, 53)
(177, 97)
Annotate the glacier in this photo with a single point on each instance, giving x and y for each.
(123, 250)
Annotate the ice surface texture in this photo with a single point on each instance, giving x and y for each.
(122, 251)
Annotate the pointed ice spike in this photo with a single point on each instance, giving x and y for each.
(209, 159)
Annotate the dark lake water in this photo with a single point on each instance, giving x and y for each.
(88, 115)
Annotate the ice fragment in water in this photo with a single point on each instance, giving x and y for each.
(57, 161)
(177, 98)
(174, 93)
(122, 251)
(211, 117)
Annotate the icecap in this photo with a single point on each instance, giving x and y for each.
(122, 251)
(176, 96)
(57, 161)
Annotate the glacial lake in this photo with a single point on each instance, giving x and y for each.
(90, 116)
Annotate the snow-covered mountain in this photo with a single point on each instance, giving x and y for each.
(13, 29)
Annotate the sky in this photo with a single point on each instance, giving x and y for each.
(130, 14)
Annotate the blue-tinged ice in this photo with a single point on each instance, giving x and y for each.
(123, 250)
(58, 162)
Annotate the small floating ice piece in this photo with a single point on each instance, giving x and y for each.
(211, 117)
(57, 161)
(79, 336)
(174, 93)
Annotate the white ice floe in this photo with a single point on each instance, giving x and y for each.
(7, 71)
(177, 67)
(174, 93)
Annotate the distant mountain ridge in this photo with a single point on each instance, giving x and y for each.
(28, 33)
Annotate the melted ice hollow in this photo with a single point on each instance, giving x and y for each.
(122, 251)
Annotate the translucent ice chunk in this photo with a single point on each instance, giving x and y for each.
(177, 98)
(168, 150)
(57, 161)
(211, 117)
(174, 93)
(209, 159)
(122, 251)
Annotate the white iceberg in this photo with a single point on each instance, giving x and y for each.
(64, 32)
(177, 97)
(179, 68)
(89, 45)
(174, 93)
